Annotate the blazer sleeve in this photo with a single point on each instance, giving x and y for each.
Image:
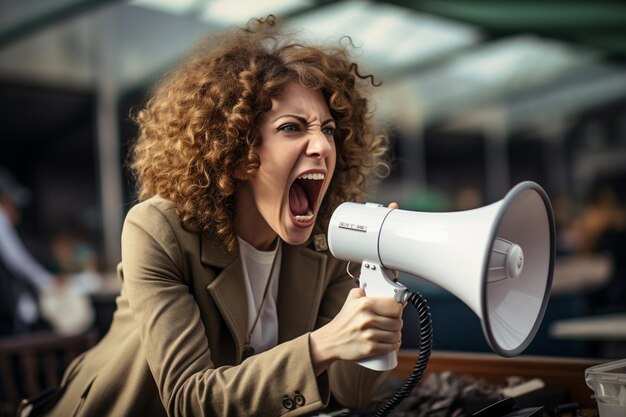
(351, 384)
(174, 340)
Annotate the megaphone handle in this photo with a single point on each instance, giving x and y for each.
(383, 362)
(376, 281)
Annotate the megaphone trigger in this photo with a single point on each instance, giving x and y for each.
(378, 281)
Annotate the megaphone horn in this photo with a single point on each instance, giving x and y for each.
(498, 259)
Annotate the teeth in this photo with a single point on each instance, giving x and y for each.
(305, 218)
(312, 176)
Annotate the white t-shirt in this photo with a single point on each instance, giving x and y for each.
(256, 266)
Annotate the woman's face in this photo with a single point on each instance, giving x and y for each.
(297, 154)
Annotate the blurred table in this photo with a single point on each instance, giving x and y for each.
(602, 327)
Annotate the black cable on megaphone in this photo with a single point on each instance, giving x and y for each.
(425, 348)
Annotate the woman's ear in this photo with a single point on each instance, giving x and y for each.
(240, 172)
(247, 166)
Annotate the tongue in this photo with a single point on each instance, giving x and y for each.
(298, 201)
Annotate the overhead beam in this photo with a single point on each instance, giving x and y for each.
(54, 14)
(600, 25)
(317, 4)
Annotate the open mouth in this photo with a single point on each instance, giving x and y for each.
(303, 196)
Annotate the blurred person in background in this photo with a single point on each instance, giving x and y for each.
(33, 298)
(75, 257)
(22, 277)
(601, 228)
(602, 212)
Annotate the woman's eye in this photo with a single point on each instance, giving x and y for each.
(290, 127)
(328, 130)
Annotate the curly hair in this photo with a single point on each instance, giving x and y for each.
(201, 126)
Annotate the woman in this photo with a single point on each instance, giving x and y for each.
(226, 309)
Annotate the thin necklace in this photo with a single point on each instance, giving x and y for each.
(248, 349)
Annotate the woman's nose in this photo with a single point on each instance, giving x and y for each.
(319, 145)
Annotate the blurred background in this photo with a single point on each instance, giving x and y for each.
(476, 97)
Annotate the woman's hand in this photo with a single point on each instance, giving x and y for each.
(365, 326)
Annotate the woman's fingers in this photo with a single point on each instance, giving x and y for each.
(355, 293)
(383, 336)
(387, 324)
(385, 306)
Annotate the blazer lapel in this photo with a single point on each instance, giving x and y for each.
(299, 291)
(228, 289)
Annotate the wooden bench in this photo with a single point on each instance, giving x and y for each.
(33, 362)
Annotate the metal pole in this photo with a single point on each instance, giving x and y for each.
(108, 137)
(497, 169)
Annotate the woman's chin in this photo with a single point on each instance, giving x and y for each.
(297, 232)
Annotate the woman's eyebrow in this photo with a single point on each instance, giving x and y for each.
(302, 119)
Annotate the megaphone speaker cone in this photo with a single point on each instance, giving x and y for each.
(513, 307)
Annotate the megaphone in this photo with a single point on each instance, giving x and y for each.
(497, 259)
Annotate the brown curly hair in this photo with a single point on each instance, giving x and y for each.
(201, 127)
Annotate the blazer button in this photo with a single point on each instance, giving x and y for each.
(288, 403)
(299, 399)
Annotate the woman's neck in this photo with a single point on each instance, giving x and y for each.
(250, 224)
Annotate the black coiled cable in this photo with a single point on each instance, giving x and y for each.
(425, 348)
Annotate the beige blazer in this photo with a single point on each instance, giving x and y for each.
(176, 341)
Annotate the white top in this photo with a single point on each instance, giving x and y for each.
(256, 266)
